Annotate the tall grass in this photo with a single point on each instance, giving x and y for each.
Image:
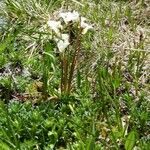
(104, 74)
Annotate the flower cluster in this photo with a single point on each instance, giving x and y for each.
(64, 19)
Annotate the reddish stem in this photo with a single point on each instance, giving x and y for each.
(74, 62)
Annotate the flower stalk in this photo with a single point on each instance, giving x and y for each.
(74, 60)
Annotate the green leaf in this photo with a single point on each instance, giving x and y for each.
(130, 141)
(91, 144)
(5, 43)
(4, 146)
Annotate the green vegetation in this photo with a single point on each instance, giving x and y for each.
(92, 95)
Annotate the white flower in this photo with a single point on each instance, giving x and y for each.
(55, 26)
(84, 25)
(70, 16)
(63, 42)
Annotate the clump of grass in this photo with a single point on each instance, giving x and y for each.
(104, 76)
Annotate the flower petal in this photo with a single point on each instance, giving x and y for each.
(84, 25)
(69, 16)
(62, 43)
(55, 26)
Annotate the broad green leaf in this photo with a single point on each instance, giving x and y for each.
(91, 144)
(5, 43)
(4, 146)
(130, 141)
